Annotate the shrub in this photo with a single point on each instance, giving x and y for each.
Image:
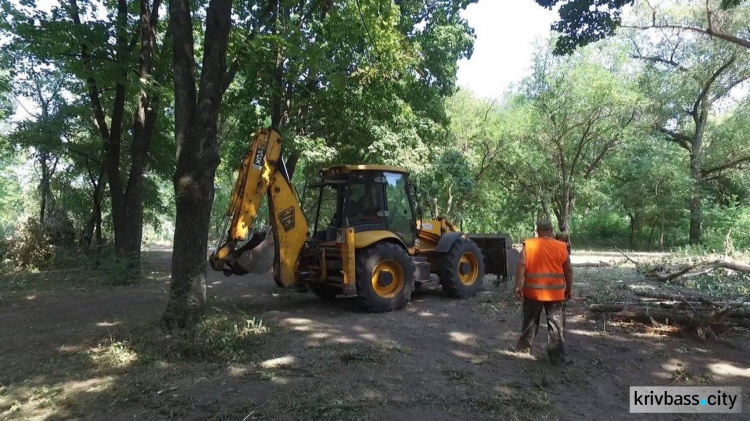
(31, 246)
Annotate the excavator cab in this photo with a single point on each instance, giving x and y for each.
(363, 198)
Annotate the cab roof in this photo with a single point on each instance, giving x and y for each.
(348, 169)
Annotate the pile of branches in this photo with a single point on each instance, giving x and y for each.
(670, 312)
(684, 272)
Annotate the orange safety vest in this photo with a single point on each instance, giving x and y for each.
(545, 279)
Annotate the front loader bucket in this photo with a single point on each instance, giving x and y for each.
(500, 257)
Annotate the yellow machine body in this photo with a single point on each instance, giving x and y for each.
(374, 246)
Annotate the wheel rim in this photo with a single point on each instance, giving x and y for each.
(468, 262)
(384, 271)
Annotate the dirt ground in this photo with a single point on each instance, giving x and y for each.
(86, 355)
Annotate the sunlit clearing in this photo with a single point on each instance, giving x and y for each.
(373, 395)
(115, 354)
(345, 340)
(31, 297)
(583, 332)
(320, 335)
(426, 314)
(237, 371)
(368, 336)
(463, 338)
(577, 318)
(107, 324)
(474, 359)
(726, 369)
(278, 362)
(521, 355)
(90, 385)
(217, 282)
(673, 364)
(297, 321)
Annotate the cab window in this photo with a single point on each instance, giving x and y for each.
(400, 219)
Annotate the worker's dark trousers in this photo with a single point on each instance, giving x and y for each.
(532, 311)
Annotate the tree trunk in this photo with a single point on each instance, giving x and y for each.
(94, 227)
(700, 117)
(197, 154)
(278, 71)
(44, 187)
(696, 208)
(661, 236)
(566, 207)
(651, 233)
(633, 226)
(130, 221)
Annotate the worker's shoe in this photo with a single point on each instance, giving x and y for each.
(556, 354)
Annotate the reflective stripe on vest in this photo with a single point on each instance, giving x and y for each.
(545, 279)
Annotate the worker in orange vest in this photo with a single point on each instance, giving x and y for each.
(544, 278)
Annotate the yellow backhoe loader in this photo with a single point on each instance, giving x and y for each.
(365, 236)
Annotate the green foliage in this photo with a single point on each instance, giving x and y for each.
(360, 82)
(583, 22)
(11, 192)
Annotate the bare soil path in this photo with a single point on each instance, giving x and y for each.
(438, 359)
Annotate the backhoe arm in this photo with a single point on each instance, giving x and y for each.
(263, 172)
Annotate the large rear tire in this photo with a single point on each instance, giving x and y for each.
(385, 277)
(461, 269)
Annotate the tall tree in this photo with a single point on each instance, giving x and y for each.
(196, 121)
(47, 122)
(585, 21)
(582, 112)
(106, 43)
(687, 81)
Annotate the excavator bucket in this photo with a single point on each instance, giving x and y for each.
(258, 259)
(257, 256)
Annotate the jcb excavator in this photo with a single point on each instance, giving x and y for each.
(367, 239)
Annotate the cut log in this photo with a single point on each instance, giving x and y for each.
(592, 265)
(606, 308)
(651, 316)
(740, 323)
(674, 296)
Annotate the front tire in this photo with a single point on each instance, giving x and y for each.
(385, 277)
(461, 269)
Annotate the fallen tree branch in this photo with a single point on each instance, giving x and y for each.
(705, 268)
(666, 278)
(681, 316)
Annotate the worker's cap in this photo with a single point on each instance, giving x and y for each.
(543, 225)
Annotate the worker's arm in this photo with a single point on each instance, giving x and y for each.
(568, 270)
(520, 274)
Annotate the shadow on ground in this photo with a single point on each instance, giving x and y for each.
(263, 352)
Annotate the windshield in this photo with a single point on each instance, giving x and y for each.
(364, 202)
